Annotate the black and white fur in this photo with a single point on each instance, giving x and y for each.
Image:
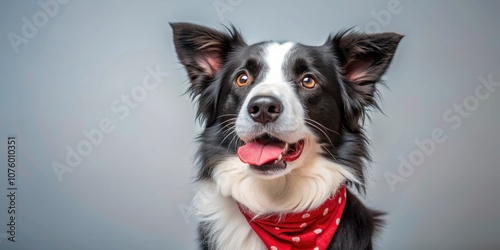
(328, 117)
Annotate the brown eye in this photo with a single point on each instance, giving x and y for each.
(242, 80)
(308, 82)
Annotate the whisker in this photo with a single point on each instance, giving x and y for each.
(225, 115)
(323, 126)
(330, 153)
(229, 126)
(237, 143)
(234, 137)
(229, 122)
(233, 131)
(322, 131)
(324, 147)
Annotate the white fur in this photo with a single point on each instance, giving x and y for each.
(275, 55)
(290, 126)
(227, 227)
(305, 187)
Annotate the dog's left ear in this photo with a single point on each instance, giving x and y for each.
(203, 51)
(363, 58)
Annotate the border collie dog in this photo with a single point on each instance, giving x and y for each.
(283, 142)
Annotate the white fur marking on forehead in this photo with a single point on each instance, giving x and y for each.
(275, 55)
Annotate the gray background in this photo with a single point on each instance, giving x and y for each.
(133, 189)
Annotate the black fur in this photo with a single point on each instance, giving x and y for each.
(339, 104)
(358, 227)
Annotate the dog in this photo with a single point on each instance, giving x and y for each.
(283, 142)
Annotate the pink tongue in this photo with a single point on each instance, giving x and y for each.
(257, 154)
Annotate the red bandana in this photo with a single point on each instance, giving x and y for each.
(311, 230)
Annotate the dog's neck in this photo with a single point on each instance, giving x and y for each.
(312, 229)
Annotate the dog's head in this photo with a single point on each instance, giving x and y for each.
(281, 116)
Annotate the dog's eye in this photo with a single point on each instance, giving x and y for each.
(243, 79)
(308, 82)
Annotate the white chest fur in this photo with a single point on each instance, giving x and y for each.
(228, 228)
(305, 187)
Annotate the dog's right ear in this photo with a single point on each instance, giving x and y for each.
(203, 51)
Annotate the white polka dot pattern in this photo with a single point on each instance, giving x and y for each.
(300, 230)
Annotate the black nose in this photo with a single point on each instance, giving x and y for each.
(264, 109)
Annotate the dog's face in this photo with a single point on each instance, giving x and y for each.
(272, 109)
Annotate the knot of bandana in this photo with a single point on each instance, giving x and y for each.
(312, 230)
